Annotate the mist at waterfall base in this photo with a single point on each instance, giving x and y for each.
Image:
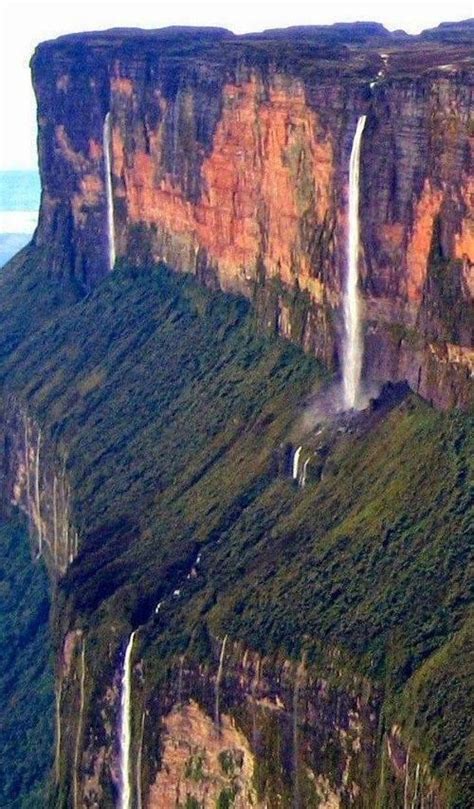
(325, 405)
(19, 204)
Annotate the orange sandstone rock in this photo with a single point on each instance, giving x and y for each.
(202, 762)
(269, 166)
(464, 241)
(121, 85)
(420, 242)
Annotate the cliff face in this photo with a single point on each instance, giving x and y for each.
(246, 730)
(230, 158)
(34, 480)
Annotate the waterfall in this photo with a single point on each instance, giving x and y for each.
(253, 691)
(108, 190)
(139, 764)
(37, 495)
(218, 681)
(55, 520)
(176, 111)
(79, 723)
(75, 544)
(305, 468)
(125, 727)
(57, 754)
(296, 459)
(407, 780)
(381, 785)
(415, 792)
(27, 472)
(352, 349)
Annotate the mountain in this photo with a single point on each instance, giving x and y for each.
(257, 598)
(229, 159)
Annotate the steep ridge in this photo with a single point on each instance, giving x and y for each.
(230, 159)
(177, 421)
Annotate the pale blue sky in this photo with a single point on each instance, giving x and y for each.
(23, 23)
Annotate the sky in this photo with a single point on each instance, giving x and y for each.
(24, 23)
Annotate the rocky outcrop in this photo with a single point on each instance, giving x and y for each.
(230, 160)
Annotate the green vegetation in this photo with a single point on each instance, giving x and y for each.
(194, 768)
(226, 798)
(172, 412)
(192, 802)
(230, 761)
(437, 707)
(187, 391)
(26, 677)
(30, 298)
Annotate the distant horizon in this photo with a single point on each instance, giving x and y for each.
(19, 205)
(25, 24)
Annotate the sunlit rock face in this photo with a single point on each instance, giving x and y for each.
(203, 762)
(230, 160)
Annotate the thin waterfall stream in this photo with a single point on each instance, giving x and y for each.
(296, 461)
(220, 672)
(125, 727)
(79, 731)
(353, 348)
(107, 138)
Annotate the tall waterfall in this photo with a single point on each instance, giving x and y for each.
(352, 349)
(125, 728)
(108, 190)
(220, 672)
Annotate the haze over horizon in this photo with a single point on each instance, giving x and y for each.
(25, 24)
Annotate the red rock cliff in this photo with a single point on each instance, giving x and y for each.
(230, 160)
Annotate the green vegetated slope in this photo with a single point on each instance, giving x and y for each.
(172, 408)
(26, 673)
(376, 560)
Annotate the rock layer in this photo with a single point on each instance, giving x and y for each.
(230, 160)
